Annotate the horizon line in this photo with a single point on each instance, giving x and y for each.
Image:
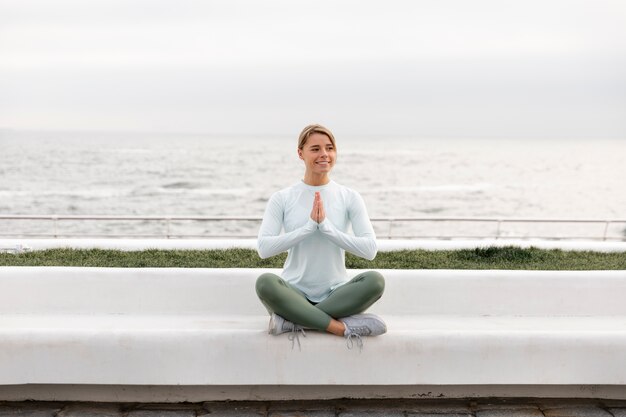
(285, 134)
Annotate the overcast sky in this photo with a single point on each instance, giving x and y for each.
(439, 68)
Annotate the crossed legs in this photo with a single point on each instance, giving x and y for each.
(354, 297)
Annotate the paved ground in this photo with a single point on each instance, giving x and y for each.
(335, 408)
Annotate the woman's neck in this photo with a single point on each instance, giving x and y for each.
(316, 180)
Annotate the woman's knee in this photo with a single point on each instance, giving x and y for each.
(376, 282)
(266, 284)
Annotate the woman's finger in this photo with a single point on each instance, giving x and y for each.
(315, 213)
(314, 210)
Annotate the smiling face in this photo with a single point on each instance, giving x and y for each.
(319, 154)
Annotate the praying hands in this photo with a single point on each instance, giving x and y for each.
(318, 214)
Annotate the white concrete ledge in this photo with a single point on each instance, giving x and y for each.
(205, 327)
(383, 244)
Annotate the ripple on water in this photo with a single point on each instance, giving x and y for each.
(184, 185)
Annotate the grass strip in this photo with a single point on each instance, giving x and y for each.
(510, 257)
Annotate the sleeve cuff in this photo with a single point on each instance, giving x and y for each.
(325, 226)
(311, 224)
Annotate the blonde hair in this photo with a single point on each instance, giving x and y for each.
(309, 130)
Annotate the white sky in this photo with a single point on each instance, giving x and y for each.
(438, 68)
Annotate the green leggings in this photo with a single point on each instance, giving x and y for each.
(354, 297)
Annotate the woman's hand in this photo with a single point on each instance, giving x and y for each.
(318, 214)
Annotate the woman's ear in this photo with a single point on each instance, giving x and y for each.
(300, 153)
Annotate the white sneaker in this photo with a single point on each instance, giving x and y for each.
(279, 325)
(362, 325)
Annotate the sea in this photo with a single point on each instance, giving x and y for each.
(164, 174)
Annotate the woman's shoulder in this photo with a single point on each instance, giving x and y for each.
(295, 187)
(349, 196)
(284, 193)
(345, 190)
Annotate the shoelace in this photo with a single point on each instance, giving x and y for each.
(361, 330)
(350, 343)
(294, 336)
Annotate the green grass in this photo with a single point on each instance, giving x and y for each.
(481, 258)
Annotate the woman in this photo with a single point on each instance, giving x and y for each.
(315, 291)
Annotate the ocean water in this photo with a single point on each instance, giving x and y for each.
(164, 174)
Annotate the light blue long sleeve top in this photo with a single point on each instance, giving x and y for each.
(316, 252)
